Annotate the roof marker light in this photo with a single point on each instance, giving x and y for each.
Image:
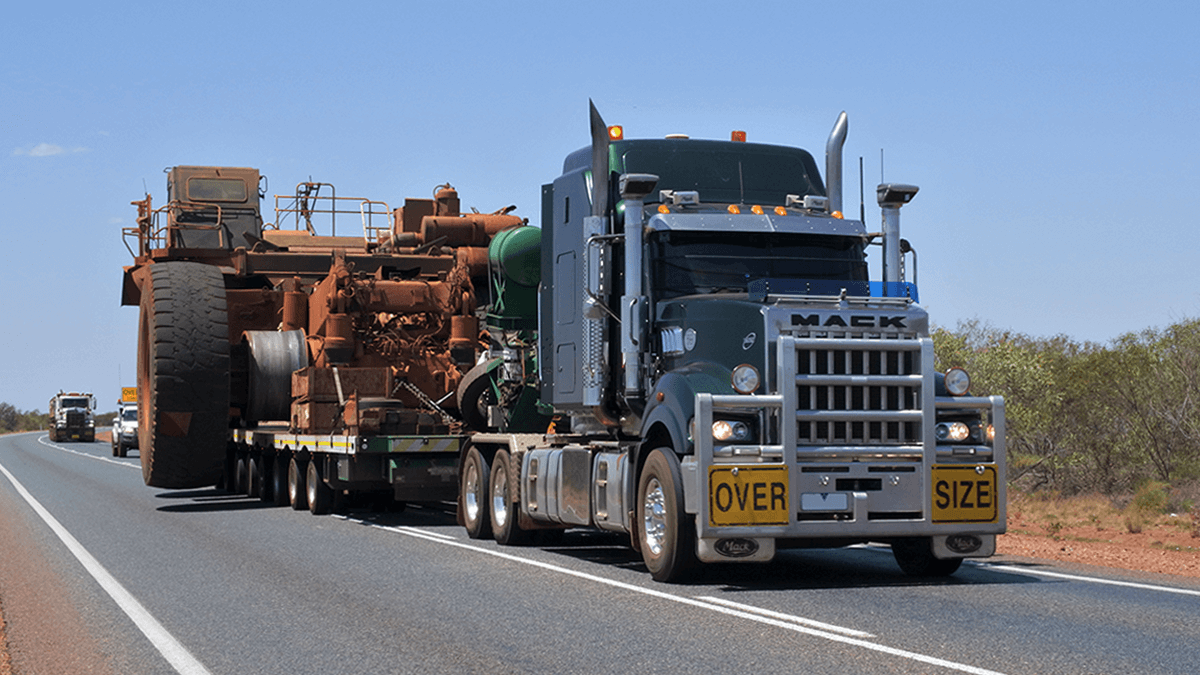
(616, 132)
(738, 136)
(756, 210)
(838, 215)
(780, 211)
(734, 209)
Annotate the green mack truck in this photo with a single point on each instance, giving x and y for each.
(691, 351)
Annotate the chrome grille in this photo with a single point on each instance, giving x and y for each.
(856, 391)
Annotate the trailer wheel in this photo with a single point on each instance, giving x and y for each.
(241, 475)
(183, 375)
(474, 490)
(253, 475)
(279, 480)
(297, 490)
(667, 533)
(915, 557)
(320, 495)
(503, 507)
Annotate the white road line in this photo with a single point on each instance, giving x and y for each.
(172, 650)
(1058, 575)
(820, 625)
(695, 602)
(1094, 580)
(45, 440)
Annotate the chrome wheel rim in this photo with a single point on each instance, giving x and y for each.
(471, 492)
(500, 496)
(654, 517)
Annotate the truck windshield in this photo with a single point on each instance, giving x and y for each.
(686, 263)
(725, 173)
(129, 414)
(74, 403)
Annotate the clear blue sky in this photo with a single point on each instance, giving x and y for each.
(1056, 144)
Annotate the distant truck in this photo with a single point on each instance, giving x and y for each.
(125, 424)
(72, 417)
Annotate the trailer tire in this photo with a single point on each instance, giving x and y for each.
(666, 532)
(183, 375)
(320, 495)
(915, 558)
(503, 507)
(297, 490)
(475, 475)
(253, 476)
(279, 480)
(241, 475)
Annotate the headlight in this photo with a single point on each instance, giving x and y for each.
(724, 431)
(952, 431)
(745, 379)
(958, 382)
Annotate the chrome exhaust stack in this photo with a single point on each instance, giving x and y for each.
(833, 162)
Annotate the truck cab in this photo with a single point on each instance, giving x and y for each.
(726, 378)
(72, 417)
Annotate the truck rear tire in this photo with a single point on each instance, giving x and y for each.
(666, 532)
(503, 506)
(279, 480)
(183, 375)
(915, 557)
(297, 490)
(320, 495)
(474, 489)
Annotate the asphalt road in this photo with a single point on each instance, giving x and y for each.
(101, 574)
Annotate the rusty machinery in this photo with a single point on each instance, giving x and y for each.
(244, 324)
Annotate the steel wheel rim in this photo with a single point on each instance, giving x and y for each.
(471, 494)
(500, 496)
(654, 517)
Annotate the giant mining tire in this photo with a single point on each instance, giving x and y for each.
(183, 375)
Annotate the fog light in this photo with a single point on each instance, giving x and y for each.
(745, 379)
(952, 431)
(958, 382)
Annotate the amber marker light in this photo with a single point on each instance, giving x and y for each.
(756, 210)
(738, 137)
(616, 132)
(838, 215)
(663, 208)
(780, 211)
(734, 209)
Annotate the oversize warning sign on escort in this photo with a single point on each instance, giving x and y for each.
(747, 495)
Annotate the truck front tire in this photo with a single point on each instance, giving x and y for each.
(915, 558)
(183, 375)
(666, 532)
